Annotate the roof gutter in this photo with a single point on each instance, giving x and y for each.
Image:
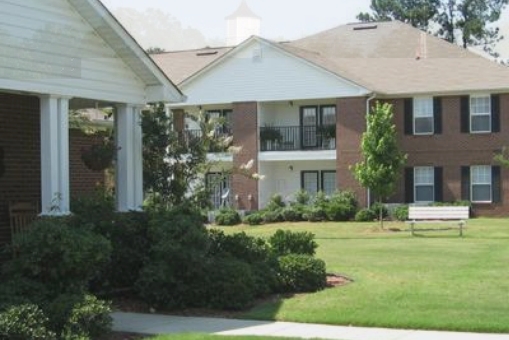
(368, 102)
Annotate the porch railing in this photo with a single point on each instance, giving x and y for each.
(187, 137)
(297, 138)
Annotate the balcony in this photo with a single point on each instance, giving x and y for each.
(297, 138)
(188, 137)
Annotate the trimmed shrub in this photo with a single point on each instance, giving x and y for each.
(315, 214)
(400, 213)
(24, 322)
(293, 213)
(62, 258)
(254, 219)
(89, 318)
(301, 273)
(376, 209)
(302, 197)
(173, 274)
(251, 250)
(230, 284)
(228, 217)
(366, 215)
(275, 203)
(127, 233)
(342, 206)
(288, 242)
(273, 216)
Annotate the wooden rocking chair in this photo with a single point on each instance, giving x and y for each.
(21, 215)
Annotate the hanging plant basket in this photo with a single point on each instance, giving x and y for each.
(99, 156)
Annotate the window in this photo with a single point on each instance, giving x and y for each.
(218, 185)
(480, 114)
(314, 181)
(223, 121)
(423, 116)
(481, 182)
(329, 182)
(424, 184)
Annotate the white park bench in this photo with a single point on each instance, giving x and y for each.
(442, 214)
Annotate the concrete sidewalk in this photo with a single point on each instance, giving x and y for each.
(165, 324)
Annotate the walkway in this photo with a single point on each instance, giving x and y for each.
(164, 324)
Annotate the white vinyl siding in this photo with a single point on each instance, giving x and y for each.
(277, 76)
(424, 184)
(423, 116)
(48, 47)
(481, 183)
(480, 114)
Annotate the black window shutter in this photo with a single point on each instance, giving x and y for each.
(409, 116)
(465, 114)
(465, 183)
(439, 184)
(437, 115)
(409, 185)
(496, 180)
(495, 113)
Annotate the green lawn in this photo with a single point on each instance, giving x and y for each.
(432, 281)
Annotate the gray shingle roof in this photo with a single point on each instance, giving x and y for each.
(390, 58)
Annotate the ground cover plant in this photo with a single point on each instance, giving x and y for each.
(435, 280)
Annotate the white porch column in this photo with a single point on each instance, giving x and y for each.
(55, 190)
(129, 165)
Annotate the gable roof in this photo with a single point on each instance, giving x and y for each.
(395, 58)
(181, 65)
(389, 58)
(159, 86)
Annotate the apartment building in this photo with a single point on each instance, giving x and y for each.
(298, 110)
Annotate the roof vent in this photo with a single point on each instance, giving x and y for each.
(366, 27)
(202, 54)
(257, 54)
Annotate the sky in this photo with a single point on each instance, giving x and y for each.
(281, 19)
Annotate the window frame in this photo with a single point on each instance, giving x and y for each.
(489, 183)
(320, 179)
(417, 184)
(414, 116)
(489, 114)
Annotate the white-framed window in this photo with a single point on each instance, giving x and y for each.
(329, 182)
(480, 113)
(423, 116)
(314, 181)
(481, 184)
(424, 184)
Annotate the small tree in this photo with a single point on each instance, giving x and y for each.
(503, 157)
(383, 160)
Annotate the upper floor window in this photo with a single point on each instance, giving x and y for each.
(423, 116)
(480, 113)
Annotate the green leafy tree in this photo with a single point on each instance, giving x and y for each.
(417, 13)
(463, 22)
(382, 159)
(503, 157)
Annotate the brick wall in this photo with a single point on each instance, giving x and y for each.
(20, 140)
(452, 149)
(245, 134)
(351, 124)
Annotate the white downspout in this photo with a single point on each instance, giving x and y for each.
(368, 101)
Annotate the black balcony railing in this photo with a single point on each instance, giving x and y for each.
(189, 136)
(296, 138)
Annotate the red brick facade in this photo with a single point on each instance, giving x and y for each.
(351, 124)
(20, 141)
(245, 135)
